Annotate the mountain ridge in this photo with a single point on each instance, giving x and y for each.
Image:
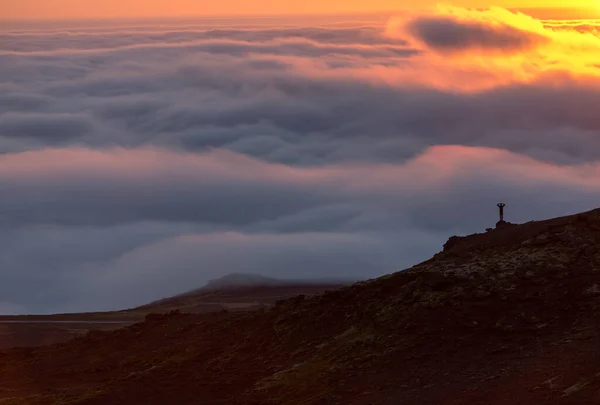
(510, 316)
(240, 291)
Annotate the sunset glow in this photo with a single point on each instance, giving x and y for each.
(497, 47)
(58, 9)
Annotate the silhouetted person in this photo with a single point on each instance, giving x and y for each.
(501, 206)
(502, 222)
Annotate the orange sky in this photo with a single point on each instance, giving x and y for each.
(43, 9)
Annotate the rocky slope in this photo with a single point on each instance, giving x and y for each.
(506, 317)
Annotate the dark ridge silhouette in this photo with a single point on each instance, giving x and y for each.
(510, 316)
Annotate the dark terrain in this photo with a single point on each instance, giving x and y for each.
(511, 316)
(231, 293)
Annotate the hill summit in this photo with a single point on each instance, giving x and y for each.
(511, 316)
(235, 280)
(239, 291)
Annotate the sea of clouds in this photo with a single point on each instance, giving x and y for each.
(138, 159)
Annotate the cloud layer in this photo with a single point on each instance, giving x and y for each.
(138, 161)
(449, 35)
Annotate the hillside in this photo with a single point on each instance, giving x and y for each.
(227, 293)
(235, 292)
(511, 316)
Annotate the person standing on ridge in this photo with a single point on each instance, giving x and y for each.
(502, 221)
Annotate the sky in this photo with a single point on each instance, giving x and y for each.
(139, 159)
(60, 9)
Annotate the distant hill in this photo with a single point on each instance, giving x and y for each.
(234, 292)
(511, 316)
(236, 280)
(238, 291)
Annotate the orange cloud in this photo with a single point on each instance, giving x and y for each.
(495, 47)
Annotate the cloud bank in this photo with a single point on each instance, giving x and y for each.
(449, 35)
(138, 161)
